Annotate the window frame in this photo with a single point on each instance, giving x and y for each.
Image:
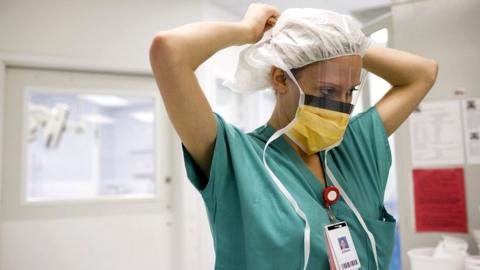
(14, 208)
(27, 90)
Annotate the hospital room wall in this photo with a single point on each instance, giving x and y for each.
(109, 33)
(447, 31)
(116, 35)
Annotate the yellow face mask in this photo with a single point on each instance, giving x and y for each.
(315, 129)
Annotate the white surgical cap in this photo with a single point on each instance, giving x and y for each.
(300, 37)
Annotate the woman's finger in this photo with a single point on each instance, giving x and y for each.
(271, 21)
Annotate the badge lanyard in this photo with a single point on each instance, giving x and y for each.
(342, 254)
(354, 209)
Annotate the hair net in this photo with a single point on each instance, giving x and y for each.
(300, 37)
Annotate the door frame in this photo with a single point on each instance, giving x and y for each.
(32, 61)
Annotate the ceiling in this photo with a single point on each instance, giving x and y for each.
(238, 7)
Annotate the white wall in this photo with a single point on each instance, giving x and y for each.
(115, 34)
(109, 242)
(449, 32)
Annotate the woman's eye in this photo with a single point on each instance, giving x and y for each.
(328, 91)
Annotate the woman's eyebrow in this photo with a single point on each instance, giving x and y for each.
(328, 83)
(321, 83)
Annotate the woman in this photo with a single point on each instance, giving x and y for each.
(263, 191)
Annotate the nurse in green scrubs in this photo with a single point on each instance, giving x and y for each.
(253, 224)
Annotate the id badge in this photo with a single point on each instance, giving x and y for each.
(341, 250)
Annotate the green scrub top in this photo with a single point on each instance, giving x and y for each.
(255, 227)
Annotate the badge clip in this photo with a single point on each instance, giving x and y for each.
(330, 196)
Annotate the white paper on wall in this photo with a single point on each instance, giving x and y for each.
(471, 123)
(436, 134)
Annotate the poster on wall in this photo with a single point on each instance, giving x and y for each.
(439, 197)
(471, 123)
(436, 134)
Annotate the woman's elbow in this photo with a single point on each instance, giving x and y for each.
(162, 50)
(431, 72)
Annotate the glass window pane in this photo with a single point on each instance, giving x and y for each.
(87, 146)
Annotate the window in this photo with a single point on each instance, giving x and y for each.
(80, 145)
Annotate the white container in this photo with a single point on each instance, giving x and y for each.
(472, 263)
(421, 259)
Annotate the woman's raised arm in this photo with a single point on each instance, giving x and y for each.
(174, 56)
(410, 75)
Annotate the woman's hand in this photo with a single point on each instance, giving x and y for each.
(258, 19)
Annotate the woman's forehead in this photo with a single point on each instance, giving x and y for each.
(335, 71)
(346, 64)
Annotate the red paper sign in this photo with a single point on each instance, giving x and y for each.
(439, 196)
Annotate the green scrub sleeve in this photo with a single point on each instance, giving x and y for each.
(219, 166)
